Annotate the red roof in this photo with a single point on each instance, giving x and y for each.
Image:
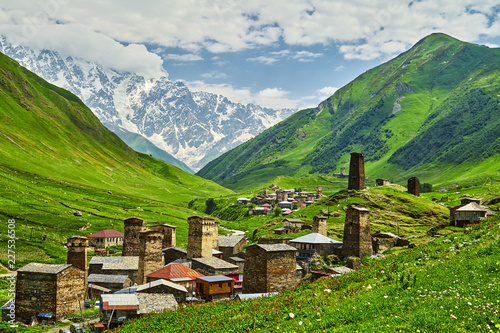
(175, 271)
(266, 205)
(107, 233)
(106, 306)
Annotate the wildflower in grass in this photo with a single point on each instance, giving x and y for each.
(453, 317)
(388, 296)
(301, 322)
(291, 315)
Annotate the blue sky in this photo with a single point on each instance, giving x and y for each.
(280, 53)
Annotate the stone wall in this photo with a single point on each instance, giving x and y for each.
(169, 234)
(319, 225)
(382, 182)
(77, 253)
(414, 186)
(356, 172)
(203, 237)
(150, 253)
(269, 268)
(357, 239)
(58, 294)
(133, 226)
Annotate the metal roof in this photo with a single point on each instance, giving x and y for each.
(175, 248)
(174, 271)
(315, 238)
(119, 301)
(472, 207)
(105, 278)
(215, 278)
(245, 297)
(35, 267)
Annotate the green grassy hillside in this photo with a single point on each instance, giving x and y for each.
(56, 158)
(433, 111)
(448, 285)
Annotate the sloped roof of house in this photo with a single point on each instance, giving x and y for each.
(160, 282)
(294, 220)
(175, 248)
(214, 262)
(106, 233)
(105, 278)
(117, 263)
(175, 271)
(35, 267)
(315, 238)
(230, 241)
(276, 247)
(472, 207)
(215, 278)
(243, 199)
(97, 287)
(119, 302)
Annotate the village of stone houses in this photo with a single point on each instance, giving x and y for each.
(153, 275)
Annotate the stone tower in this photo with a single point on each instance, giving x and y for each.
(279, 196)
(133, 226)
(301, 202)
(357, 240)
(203, 237)
(319, 192)
(319, 225)
(342, 171)
(414, 186)
(356, 172)
(284, 196)
(150, 254)
(77, 253)
(169, 238)
(265, 192)
(269, 268)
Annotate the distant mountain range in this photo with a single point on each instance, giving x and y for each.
(432, 112)
(194, 127)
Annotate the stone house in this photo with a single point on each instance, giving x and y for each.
(471, 213)
(231, 245)
(269, 267)
(94, 291)
(162, 286)
(203, 236)
(357, 241)
(112, 282)
(243, 201)
(214, 287)
(285, 204)
(106, 238)
(128, 266)
(9, 310)
(240, 262)
(294, 225)
(260, 210)
(382, 182)
(177, 273)
(117, 308)
(44, 288)
(313, 243)
(173, 253)
(214, 265)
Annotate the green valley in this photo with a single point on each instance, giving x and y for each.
(433, 111)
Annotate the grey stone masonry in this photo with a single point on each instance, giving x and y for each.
(357, 240)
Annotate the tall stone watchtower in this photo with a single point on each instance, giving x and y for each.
(133, 226)
(203, 237)
(169, 234)
(319, 192)
(357, 240)
(150, 254)
(319, 225)
(414, 186)
(77, 253)
(356, 172)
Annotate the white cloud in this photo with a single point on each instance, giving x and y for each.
(76, 41)
(326, 92)
(275, 98)
(214, 75)
(306, 56)
(183, 57)
(264, 60)
(364, 30)
(339, 68)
